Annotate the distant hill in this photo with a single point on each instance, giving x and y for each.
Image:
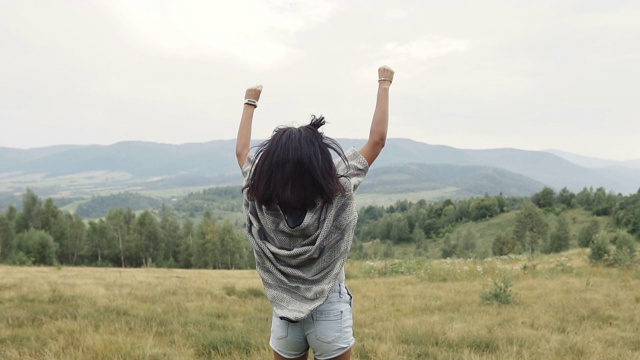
(142, 166)
(547, 168)
(140, 159)
(544, 167)
(592, 162)
(469, 180)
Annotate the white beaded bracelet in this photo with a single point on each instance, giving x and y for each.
(251, 102)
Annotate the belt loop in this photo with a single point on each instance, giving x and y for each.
(340, 290)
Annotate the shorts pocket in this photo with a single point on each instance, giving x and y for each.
(279, 328)
(328, 325)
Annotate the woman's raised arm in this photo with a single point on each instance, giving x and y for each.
(243, 141)
(380, 122)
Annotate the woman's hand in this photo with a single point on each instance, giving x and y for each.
(253, 93)
(385, 75)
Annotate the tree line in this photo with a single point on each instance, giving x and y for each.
(42, 234)
(423, 223)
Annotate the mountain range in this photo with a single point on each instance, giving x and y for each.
(405, 166)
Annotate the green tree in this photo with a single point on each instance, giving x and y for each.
(7, 237)
(504, 245)
(99, 241)
(600, 250)
(484, 208)
(566, 198)
(371, 213)
(502, 203)
(530, 229)
(232, 250)
(585, 198)
(560, 237)
(462, 210)
(76, 232)
(187, 244)
(205, 253)
(148, 240)
(12, 214)
(122, 223)
(399, 229)
(625, 251)
(588, 233)
(467, 244)
(603, 202)
(545, 198)
(431, 227)
(627, 214)
(449, 247)
(54, 222)
(29, 218)
(170, 233)
(420, 239)
(383, 227)
(49, 216)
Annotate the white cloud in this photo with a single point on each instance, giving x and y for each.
(425, 49)
(255, 33)
(622, 19)
(412, 58)
(294, 15)
(396, 14)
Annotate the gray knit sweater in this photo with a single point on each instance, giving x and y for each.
(299, 266)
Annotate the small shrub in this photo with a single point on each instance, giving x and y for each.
(500, 293)
(624, 255)
(588, 234)
(600, 252)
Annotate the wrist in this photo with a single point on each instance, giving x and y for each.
(384, 82)
(250, 103)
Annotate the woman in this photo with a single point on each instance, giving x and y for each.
(301, 217)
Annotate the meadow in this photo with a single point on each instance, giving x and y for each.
(559, 307)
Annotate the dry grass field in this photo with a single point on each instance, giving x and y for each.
(563, 308)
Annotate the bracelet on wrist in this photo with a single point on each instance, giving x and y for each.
(385, 79)
(251, 102)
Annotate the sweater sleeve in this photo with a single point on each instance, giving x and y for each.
(355, 169)
(248, 164)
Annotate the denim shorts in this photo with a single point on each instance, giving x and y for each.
(328, 330)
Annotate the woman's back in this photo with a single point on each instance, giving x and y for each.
(301, 217)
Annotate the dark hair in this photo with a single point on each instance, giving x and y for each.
(294, 168)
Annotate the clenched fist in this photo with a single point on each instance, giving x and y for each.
(385, 75)
(253, 93)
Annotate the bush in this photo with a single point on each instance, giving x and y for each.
(37, 246)
(560, 237)
(504, 245)
(587, 234)
(600, 251)
(624, 255)
(500, 293)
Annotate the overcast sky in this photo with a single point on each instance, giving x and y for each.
(475, 74)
